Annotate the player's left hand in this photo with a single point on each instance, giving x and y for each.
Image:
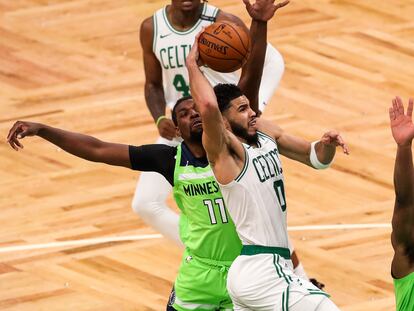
(263, 10)
(334, 139)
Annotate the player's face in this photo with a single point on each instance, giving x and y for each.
(189, 121)
(242, 119)
(186, 5)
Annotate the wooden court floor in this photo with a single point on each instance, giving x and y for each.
(76, 64)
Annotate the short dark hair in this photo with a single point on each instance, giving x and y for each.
(226, 92)
(174, 111)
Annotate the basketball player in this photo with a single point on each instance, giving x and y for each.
(209, 234)
(166, 39)
(402, 238)
(243, 152)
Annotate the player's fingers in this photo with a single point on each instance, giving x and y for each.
(410, 107)
(18, 143)
(400, 105)
(395, 107)
(391, 113)
(345, 148)
(282, 4)
(13, 130)
(12, 143)
(340, 141)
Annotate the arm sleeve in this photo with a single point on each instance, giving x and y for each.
(154, 158)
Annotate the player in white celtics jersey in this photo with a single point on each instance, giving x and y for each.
(243, 151)
(166, 39)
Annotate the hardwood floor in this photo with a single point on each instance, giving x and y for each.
(77, 65)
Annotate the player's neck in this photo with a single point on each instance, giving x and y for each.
(183, 20)
(196, 149)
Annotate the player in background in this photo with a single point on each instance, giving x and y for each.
(402, 238)
(166, 39)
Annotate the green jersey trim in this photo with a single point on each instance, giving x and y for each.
(245, 165)
(250, 250)
(164, 15)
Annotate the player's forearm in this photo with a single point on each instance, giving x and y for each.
(201, 90)
(404, 176)
(155, 100)
(80, 145)
(252, 71)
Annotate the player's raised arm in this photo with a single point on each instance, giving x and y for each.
(83, 146)
(214, 132)
(402, 128)
(154, 92)
(261, 12)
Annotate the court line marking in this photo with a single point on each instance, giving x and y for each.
(102, 240)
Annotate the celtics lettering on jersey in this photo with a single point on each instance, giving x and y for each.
(267, 167)
(174, 56)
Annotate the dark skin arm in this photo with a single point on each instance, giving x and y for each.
(256, 59)
(82, 146)
(402, 237)
(251, 75)
(154, 92)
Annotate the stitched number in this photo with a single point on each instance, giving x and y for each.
(210, 207)
(180, 85)
(280, 193)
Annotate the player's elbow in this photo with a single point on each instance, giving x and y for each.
(207, 107)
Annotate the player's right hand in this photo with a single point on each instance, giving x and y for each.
(166, 128)
(402, 126)
(19, 130)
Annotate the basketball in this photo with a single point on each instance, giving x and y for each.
(224, 46)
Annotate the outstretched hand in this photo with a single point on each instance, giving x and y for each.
(263, 10)
(333, 138)
(19, 130)
(402, 126)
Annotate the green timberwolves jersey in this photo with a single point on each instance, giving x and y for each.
(257, 196)
(404, 292)
(209, 231)
(171, 48)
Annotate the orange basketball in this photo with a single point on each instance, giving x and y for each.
(224, 46)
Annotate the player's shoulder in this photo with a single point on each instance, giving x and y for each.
(228, 17)
(147, 25)
(146, 33)
(269, 128)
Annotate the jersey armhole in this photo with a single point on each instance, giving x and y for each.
(177, 164)
(154, 33)
(245, 165)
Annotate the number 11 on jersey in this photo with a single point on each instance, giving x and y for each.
(210, 207)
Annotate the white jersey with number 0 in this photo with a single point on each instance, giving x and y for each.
(256, 198)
